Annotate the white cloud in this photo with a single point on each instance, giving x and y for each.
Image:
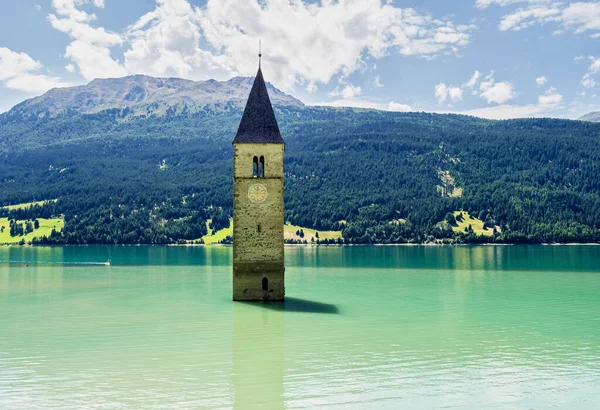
(547, 103)
(165, 42)
(13, 64)
(304, 43)
(455, 93)
(541, 80)
(349, 98)
(68, 8)
(19, 71)
(441, 92)
(360, 103)
(473, 80)
(348, 92)
(550, 99)
(489, 90)
(488, 81)
(499, 93)
(494, 92)
(582, 16)
(526, 17)
(70, 68)
(577, 17)
(90, 48)
(393, 106)
(94, 61)
(377, 82)
(506, 111)
(482, 4)
(444, 92)
(588, 80)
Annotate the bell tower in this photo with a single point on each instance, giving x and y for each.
(258, 266)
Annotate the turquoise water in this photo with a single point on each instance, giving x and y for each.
(364, 327)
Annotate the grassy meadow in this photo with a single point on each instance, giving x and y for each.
(27, 204)
(476, 224)
(289, 233)
(215, 237)
(45, 229)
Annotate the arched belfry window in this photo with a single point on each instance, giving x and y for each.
(261, 167)
(255, 167)
(265, 284)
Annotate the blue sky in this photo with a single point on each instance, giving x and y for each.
(491, 58)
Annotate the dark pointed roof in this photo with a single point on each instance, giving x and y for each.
(258, 125)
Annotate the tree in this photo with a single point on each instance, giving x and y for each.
(450, 218)
(16, 228)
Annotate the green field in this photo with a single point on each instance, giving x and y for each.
(28, 204)
(289, 232)
(45, 229)
(476, 224)
(218, 236)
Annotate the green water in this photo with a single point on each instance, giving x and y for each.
(364, 327)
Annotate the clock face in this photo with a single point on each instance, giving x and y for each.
(257, 193)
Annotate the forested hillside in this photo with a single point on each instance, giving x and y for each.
(380, 177)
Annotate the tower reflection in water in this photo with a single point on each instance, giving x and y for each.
(258, 354)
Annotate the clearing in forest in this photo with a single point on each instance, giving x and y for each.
(45, 229)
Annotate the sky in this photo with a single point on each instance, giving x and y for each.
(489, 58)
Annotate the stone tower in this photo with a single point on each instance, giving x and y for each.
(258, 268)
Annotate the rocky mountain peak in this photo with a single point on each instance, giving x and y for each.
(143, 95)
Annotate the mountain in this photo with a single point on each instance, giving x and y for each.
(591, 116)
(150, 173)
(141, 95)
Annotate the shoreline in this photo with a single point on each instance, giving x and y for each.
(306, 245)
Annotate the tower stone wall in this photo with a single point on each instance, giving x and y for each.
(258, 226)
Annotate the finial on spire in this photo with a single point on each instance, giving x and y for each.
(259, 51)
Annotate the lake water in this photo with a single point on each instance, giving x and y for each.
(363, 327)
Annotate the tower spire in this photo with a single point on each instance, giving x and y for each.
(258, 124)
(259, 52)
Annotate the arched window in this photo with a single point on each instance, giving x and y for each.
(261, 167)
(265, 284)
(255, 167)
